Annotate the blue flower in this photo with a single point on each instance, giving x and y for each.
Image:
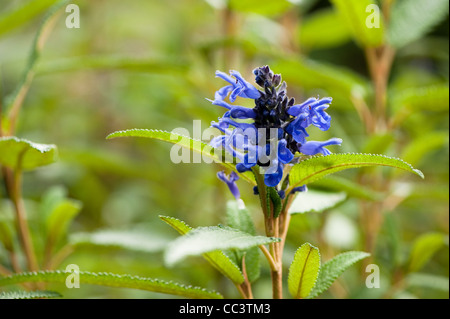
(313, 147)
(231, 182)
(274, 130)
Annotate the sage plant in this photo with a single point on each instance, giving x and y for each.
(270, 148)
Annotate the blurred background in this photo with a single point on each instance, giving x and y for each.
(151, 64)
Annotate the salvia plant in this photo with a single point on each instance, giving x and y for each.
(272, 151)
(262, 147)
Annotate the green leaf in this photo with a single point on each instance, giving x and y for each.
(22, 154)
(351, 188)
(412, 19)
(315, 201)
(424, 248)
(112, 280)
(184, 141)
(60, 218)
(216, 258)
(6, 235)
(317, 167)
(207, 239)
(110, 63)
(422, 145)
(303, 271)
(323, 29)
(130, 240)
(12, 19)
(333, 268)
(18, 95)
(340, 83)
(354, 14)
(269, 8)
(428, 281)
(29, 294)
(238, 217)
(276, 201)
(433, 98)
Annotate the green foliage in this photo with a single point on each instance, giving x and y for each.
(324, 29)
(340, 83)
(22, 154)
(412, 19)
(21, 15)
(217, 259)
(206, 239)
(183, 141)
(424, 248)
(428, 281)
(333, 268)
(317, 167)
(29, 294)
(354, 14)
(238, 217)
(275, 200)
(113, 280)
(351, 188)
(315, 201)
(129, 240)
(264, 8)
(303, 271)
(59, 219)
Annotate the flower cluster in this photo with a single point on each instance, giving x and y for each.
(274, 130)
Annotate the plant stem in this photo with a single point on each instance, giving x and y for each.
(14, 184)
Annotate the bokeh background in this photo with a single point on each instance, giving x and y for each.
(151, 64)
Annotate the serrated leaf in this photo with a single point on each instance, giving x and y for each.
(303, 271)
(354, 14)
(412, 19)
(183, 141)
(238, 217)
(22, 154)
(130, 240)
(424, 248)
(333, 268)
(112, 280)
(315, 201)
(29, 294)
(207, 239)
(317, 167)
(216, 258)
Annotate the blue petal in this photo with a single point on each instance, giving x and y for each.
(225, 77)
(314, 147)
(231, 183)
(249, 90)
(296, 129)
(284, 154)
(272, 180)
(295, 110)
(241, 112)
(222, 93)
